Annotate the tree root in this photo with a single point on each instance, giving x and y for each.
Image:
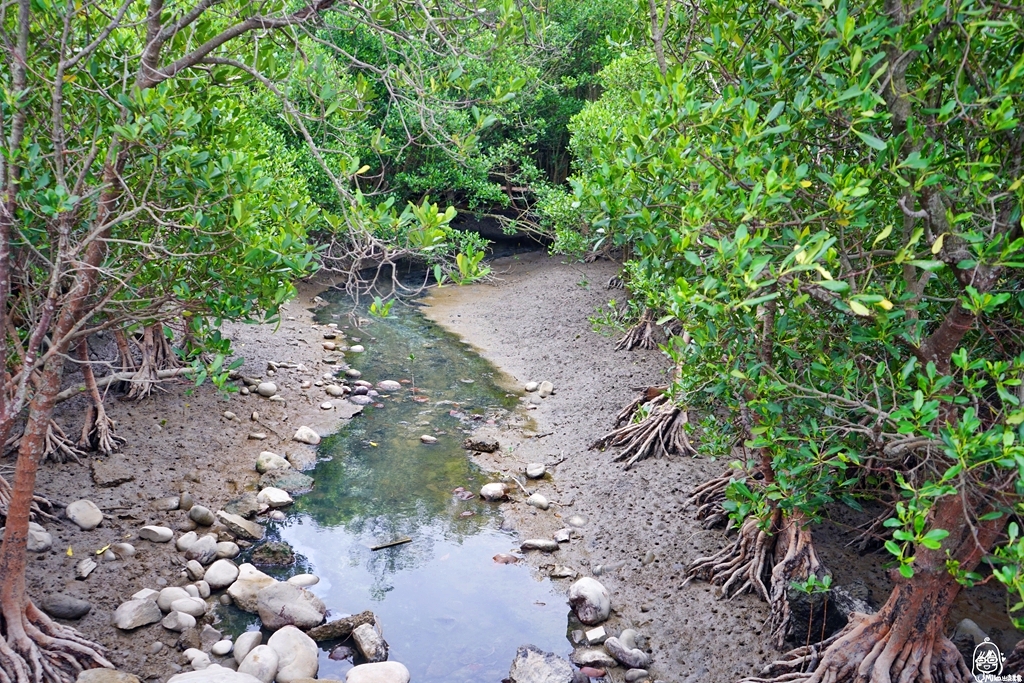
(708, 497)
(742, 566)
(157, 355)
(640, 336)
(98, 430)
(799, 563)
(41, 507)
(36, 649)
(655, 426)
(881, 647)
(58, 445)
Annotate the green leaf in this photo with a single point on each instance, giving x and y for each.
(871, 141)
(907, 571)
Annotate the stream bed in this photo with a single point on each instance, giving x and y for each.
(449, 612)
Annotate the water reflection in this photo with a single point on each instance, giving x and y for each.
(448, 611)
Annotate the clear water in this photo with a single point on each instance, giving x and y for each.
(448, 611)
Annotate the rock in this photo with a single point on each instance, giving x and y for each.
(84, 568)
(545, 389)
(274, 497)
(594, 657)
(532, 386)
(123, 550)
(273, 554)
(166, 504)
(636, 675)
(288, 480)
(304, 580)
(135, 613)
(370, 643)
(329, 346)
(494, 492)
(326, 405)
(389, 385)
(201, 515)
(302, 458)
(186, 541)
(64, 606)
(246, 588)
(39, 539)
(221, 574)
(84, 514)
(533, 665)
(277, 516)
(360, 400)
(227, 550)
(258, 436)
(245, 505)
(203, 551)
(297, 655)
(266, 389)
(545, 545)
(261, 662)
(356, 348)
(113, 471)
(222, 648)
(590, 672)
(538, 501)
(283, 604)
(482, 444)
(168, 595)
(427, 438)
(156, 534)
(105, 676)
(194, 570)
(201, 661)
(577, 521)
(244, 644)
(590, 601)
(203, 588)
(213, 674)
(191, 589)
(195, 606)
(536, 470)
(178, 621)
(267, 461)
(335, 390)
(380, 672)
(306, 435)
(632, 657)
(146, 594)
(563, 535)
(241, 527)
(596, 636)
(340, 629)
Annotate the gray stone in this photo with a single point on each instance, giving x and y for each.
(261, 662)
(84, 514)
(241, 527)
(64, 606)
(590, 601)
(283, 604)
(165, 504)
(201, 515)
(194, 570)
(389, 385)
(221, 574)
(361, 400)
(532, 386)
(577, 521)
(545, 545)
(168, 595)
(156, 534)
(538, 501)
(301, 458)
(533, 665)
(221, 648)
(84, 568)
(339, 629)
(297, 655)
(135, 613)
(213, 674)
(267, 461)
(427, 438)
(178, 621)
(203, 588)
(335, 390)
(203, 551)
(185, 541)
(288, 480)
(494, 492)
(596, 636)
(545, 389)
(304, 580)
(113, 471)
(186, 501)
(246, 588)
(123, 550)
(306, 435)
(227, 550)
(632, 657)
(209, 635)
(266, 389)
(380, 672)
(146, 594)
(245, 643)
(274, 497)
(481, 444)
(563, 535)
(195, 606)
(636, 675)
(594, 657)
(39, 539)
(536, 470)
(191, 589)
(370, 643)
(244, 506)
(105, 676)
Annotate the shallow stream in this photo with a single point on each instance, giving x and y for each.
(449, 612)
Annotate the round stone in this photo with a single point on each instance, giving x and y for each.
(267, 389)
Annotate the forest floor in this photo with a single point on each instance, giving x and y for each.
(532, 321)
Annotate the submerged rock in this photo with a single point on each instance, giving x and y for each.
(273, 554)
(481, 444)
(370, 643)
(240, 526)
(533, 665)
(287, 480)
(380, 672)
(339, 629)
(284, 604)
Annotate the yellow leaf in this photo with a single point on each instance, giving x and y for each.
(824, 273)
(1016, 184)
(103, 549)
(886, 304)
(937, 245)
(364, 169)
(70, 553)
(858, 308)
(373, 444)
(882, 235)
(805, 183)
(843, 222)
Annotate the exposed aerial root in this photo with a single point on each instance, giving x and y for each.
(59, 446)
(41, 507)
(157, 355)
(798, 562)
(894, 645)
(741, 567)
(39, 650)
(655, 425)
(641, 335)
(708, 497)
(98, 430)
